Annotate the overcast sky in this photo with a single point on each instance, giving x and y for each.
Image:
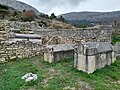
(65, 6)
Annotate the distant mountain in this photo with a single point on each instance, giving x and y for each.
(20, 6)
(92, 17)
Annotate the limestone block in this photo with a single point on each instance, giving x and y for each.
(46, 57)
(13, 57)
(81, 63)
(91, 64)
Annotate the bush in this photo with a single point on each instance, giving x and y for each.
(52, 16)
(25, 19)
(3, 7)
(115, 38)
(83, 26)
(13, 19)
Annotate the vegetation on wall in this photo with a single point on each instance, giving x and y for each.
(115, 38)
(116, 34)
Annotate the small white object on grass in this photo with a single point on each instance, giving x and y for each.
(29, 77)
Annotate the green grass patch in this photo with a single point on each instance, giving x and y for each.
(57, 76)
(115, 38)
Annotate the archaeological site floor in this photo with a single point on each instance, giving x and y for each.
(57, 76)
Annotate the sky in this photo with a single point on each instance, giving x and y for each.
(65, 6)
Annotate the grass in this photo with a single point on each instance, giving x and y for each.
(57, 76)
(115, 38)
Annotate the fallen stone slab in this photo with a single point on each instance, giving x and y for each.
(30, 77)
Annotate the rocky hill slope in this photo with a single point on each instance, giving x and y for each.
(92, 17)
(20, 6)
(25, 19)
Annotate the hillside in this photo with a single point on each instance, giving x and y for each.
(6, 12)
(20, 6)
(92, 17)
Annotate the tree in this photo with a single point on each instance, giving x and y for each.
(52, 16)
(3, 7)
(15, 13)
(24, 10)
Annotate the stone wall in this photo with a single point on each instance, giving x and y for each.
(24, 25)
(88, 34)
(102, 33)
(18, 50)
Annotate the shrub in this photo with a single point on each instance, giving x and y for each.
(13, 19)
(3, 7)
(25, 19)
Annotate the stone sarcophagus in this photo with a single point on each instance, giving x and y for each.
(58, 52)
(90, 56)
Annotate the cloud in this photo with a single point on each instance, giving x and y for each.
(56, 6)
(65, 6)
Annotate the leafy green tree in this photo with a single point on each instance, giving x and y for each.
(52, 16)
(24, 10)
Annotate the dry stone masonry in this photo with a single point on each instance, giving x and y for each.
(24, 25)
(93, 54)
(11, 51)
(89, 34)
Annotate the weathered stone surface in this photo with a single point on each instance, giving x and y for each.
(93, 56)
(77, 33)
(58, 52)
(88, 34)
(18, 50)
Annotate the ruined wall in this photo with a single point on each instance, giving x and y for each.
(79, 34)
(3, 30)
(102, 33)
(18, 50)
(24, 25)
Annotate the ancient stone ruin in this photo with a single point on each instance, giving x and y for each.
(59, 52)
(34, 38)
(90, 56)
(11, 51)
(58, 44)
